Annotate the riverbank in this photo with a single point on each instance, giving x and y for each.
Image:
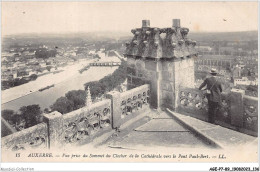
(43, 81)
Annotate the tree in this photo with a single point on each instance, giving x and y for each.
(252, 88)
(18, 122)
(46, 110)
(62, 105)
(8, 114)
(31, 114)
(77, 97)
(109, 82)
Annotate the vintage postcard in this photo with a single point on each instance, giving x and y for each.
(130, 82)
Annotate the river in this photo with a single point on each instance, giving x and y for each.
(49, 96)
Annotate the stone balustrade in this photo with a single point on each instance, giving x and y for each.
(82, 125)
(27, 139)
(85, 122)
(128, 104)
(237, 111)
(250, 116)
(57, 130)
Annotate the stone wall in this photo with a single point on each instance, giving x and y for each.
(83, 125)
(86, 122)
(250, 116)
(238, 112)
(27, 139)
(76, 127)
(164, 77)
(144, 72)
(6, 128)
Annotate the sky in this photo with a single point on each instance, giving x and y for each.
(66, 17)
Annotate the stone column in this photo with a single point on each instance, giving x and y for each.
(54, 122)
(176, 23)
(114, 96)
(145, 23)
(237, 107)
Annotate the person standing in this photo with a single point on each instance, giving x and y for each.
(214, 89)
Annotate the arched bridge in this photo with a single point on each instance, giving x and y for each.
(105, 64)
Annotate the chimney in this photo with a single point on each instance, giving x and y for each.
(145, 23)
(176, 23)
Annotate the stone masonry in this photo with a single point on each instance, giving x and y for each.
(163, 58)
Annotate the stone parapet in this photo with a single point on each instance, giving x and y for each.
(58, 130)
(236, 107)
(128, 104)
(237, 111)
(83, 124)
(54, 123)
(250, 115)
(27, 139)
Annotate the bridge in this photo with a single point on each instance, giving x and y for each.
(105, 63)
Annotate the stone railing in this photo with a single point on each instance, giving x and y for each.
(128, 104)
(82, 125)
(86, 122)
(30, 138)
(250, 117)
(237, 111)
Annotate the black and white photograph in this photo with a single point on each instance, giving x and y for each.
(146, 82)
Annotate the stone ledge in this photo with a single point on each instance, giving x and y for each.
(196, 130)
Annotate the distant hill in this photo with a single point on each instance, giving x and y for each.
(224, 36)
(125, 36)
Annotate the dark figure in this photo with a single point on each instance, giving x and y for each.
(214, 96)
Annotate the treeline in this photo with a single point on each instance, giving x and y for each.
(72, 100)
(75, 99)
(18, 81)
(26, 117)
(44, 53)
(32, 115)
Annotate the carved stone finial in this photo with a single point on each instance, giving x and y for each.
(145, 23)
(174, 44)
(145, 43)
(133, 31)
(148, 32)
(193, 43)
(160, 43)
(176, 23)
(127, 44)
(88, 98)
(188, 42)
(185, 31)
(156, 43)
(180, 42)
(135, 42)
(137, 33)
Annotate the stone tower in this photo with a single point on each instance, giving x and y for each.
(88, 98)
(162, 57)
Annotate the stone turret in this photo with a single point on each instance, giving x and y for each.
(165, 62)
(88, 98)
(147, 42)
